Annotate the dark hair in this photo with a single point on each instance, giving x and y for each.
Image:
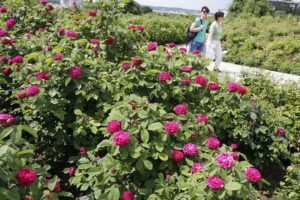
(205, 8)
(218, 15)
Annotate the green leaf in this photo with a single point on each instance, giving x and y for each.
(163, 157)
(152, 72)
(148, 164)
(143, 114)
(233, 186)
(6, 132)
(115, 115)
(29, 130)
(52, 183)
(155, 126)
(65, 194)
(9, 194)
(94, 129)
(77, 112)
(24, 152)
(145, 136)
(159, 146)
(104, 143)
(114, 194)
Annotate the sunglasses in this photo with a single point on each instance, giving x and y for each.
(205, 11)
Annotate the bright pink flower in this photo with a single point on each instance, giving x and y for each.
(10, 61)
(171, 127)
(137, 62)
(121, 138)
(252, 175)
(202, 118)
(3, 32)
(61, 31)
(25, 176)
(165, 76)
(44, 1)
(9, 23)
(132, 27)
(225, 160)
(27, 35)
(95, 41)
(5, 71)
(186, 69)
(3, 10)
(253, 100)
(57, 185)
(180, 109)
(213, 86)
(152, 46)
(28, 198)
(234, 146)
(140, 28)
(21, 94)
(82, 151)
(196, 52)
(6, 119)
(235, 155)
(126, 65)
(3, 59)
(32, 90)
(177, 156)
(110, 40)
(42, 29)
(201, 80)
(71, 171)
(75, 72)
(58, 56)
(197, 167)
(214, 182)
(92, 13)
(190, 149)
(50, 7)
(213, 143)
(172, 45)
(113, 126)
(71, 34)
(42, 75)
(186, 81)
(241, 89)
(280, 132)
(95, 51)
(18, 59)
(8, 41)
(168, 55)
(127, 195)
(232, 87)
(182, 49)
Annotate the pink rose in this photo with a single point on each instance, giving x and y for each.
(42, 75)
(190, 149)
(152, 46)
(241, 89)
(213, 86)
(177, 156)
(75, 72)
(44, 1)
(171, 127)
(126, 65)
(214, 182)
(252, 175)
(3, 59)
(9, 23)
(50, 7)
(42, 29)
(92, 13)
(132, 27)
(232, 87)
(110, 40)
(280, 132)
(127, 195)
(225, 160)
(25, 177)
(202, 118)
(165, 76)
(140, 28)
(121, 138)
(137, 62)
(6, 71)
(18, 59)
(186, 81)
(82, 151)
(32, 90)
(180, 109)
(213, 143)
(196, 52)
(235, 155)
(234, 146)
(172, 45)
(21, 94)
(27, 35)
(3, 10)
(58, 56)
(28, 198)
(197, 167)
(200, 80)
(61, 31)
(57, 185)
(182, 50)
(71, 34)
(186, 69)
(113, 126)
(6, 119)
(95, 41)
(3, 32)
(71, 171)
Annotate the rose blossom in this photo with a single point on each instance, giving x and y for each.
(21, 94)
(141, 28)
(110, 40)
(27, 35)
(186, 69)
(44, 1)
(25, 176)
(225, 160)
(131, 27)
(200, 80)
(3, 58)
(57, 185)
(171, 127)
(232, 87)
(32, 90)
(28, 198)
(17, 59)
(9, 23)
(234, 146)
(165, 76)
(177, 156)
(182, 49)
(113, 126)
(58, 56)
(202, 118)
(95, 41)
(213, 86)
(50, 7)
(75, 72)
(253, 100)
(127, 195)
(6, 119)
(71, 171)
(137, 62)
(197, 167)
(125, 65)
(71, 34)
(61, 31)
(3, 10)
(252, 175)
(186, 81)
(280, 132)
(241, 89)
(152, 46)
(121, 138)
(214, 182)
(3, 32)
(6, 71)
(235, 155)
(42, 75)
(92, 13)
(172, 45)
(82, 150)
(213, 143)
(190, 149)
(196, 52)
(180, 109)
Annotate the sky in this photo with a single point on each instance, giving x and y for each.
(214, 5)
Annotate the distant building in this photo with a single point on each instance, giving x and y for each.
(292, 7)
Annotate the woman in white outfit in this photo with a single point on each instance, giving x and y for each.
(213, 45)
(70, 3)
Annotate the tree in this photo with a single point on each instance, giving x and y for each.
(255, 7)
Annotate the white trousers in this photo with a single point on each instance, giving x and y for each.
(69, 3)
(214, 51)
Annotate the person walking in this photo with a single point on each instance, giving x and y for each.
(199, 26)
(214, 49)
